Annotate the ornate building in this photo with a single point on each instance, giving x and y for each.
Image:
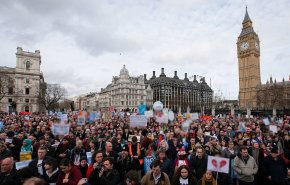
(248, 48)
(124, 92)
(24, 83)
(181, 94)
(252, 93)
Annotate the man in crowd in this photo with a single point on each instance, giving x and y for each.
(38, 163)
(199, 162)
(8, 175)
(245, 167)
(156, 176)
(106, 175)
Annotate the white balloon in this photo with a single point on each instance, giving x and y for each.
(158, 106)
(171, 115)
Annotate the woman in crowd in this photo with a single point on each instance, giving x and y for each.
(183, 176)
(26, 146)
(207, 179)
(51, 170)
(70, 174)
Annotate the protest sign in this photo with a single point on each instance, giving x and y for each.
(138, 121)
(121, 114)
(194, 116)
(218, 164)
(273, 128)
(185, 125)
(63, 118)
(130, 138)
(89, 157)
(25, 156)
(22, 164)
(60, 129)
(266, 121)
(81, 120)
(149, 114)
(92, 117)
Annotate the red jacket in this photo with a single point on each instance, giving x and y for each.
(74, 177)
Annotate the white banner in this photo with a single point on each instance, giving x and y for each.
(138, 121)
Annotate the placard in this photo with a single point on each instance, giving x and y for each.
(273, 128)
(60, 129)
(1, 125)
(194, 116)
(89, 157)
(149, 114)
(81, 120)
(22, 164)
(266, 121)
(138, 121)
(218, 164)
(25, 156)
(131, 136)
(141, 109)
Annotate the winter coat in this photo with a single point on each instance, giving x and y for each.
(148, 179)
(274, 168)
(74, 177)
(53, 178)
(199, 165)
(245, 168)
(112, 178)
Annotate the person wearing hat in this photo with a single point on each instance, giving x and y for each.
(274, 168)
(124, 162)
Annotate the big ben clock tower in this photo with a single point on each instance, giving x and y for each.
(249, 64)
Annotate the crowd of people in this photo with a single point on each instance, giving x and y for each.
(158, 154)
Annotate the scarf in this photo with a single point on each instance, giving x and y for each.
(27, 147)
(203, 181)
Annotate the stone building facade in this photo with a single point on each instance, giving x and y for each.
(181, 95)
(125, 92)
(24, 89)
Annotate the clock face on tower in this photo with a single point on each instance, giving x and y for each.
(244, 46)
(256, 45)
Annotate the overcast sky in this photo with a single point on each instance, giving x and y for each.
(84, 43)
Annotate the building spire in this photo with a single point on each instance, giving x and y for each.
(247, 17)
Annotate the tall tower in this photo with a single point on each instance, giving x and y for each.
(248, 49)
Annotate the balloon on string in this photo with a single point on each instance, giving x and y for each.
(171, 115)
(158, 106)
(165, 111)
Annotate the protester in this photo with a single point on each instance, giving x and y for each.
(207, 179)
(106, 175)
(51, 172)
(8, 175)
(135, 148)
(70, 174)
(155, 176)
(183, 176)
(245, 166)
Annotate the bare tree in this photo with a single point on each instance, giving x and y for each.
(270, 96)
(51, 94)
(6, 85)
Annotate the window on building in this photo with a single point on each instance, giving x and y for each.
(10, 90)
(26, 108)
(26, 100)
(26, 90)
(27, 80)
(27, 65)
(10, 100)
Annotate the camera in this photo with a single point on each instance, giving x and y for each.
(99, 167)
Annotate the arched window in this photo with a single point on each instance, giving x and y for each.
(26, 108)
(27, 65)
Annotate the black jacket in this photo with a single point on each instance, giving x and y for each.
(53, 178)
(11, 179)
(199, 165)
(274, 168)
(112, 178)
